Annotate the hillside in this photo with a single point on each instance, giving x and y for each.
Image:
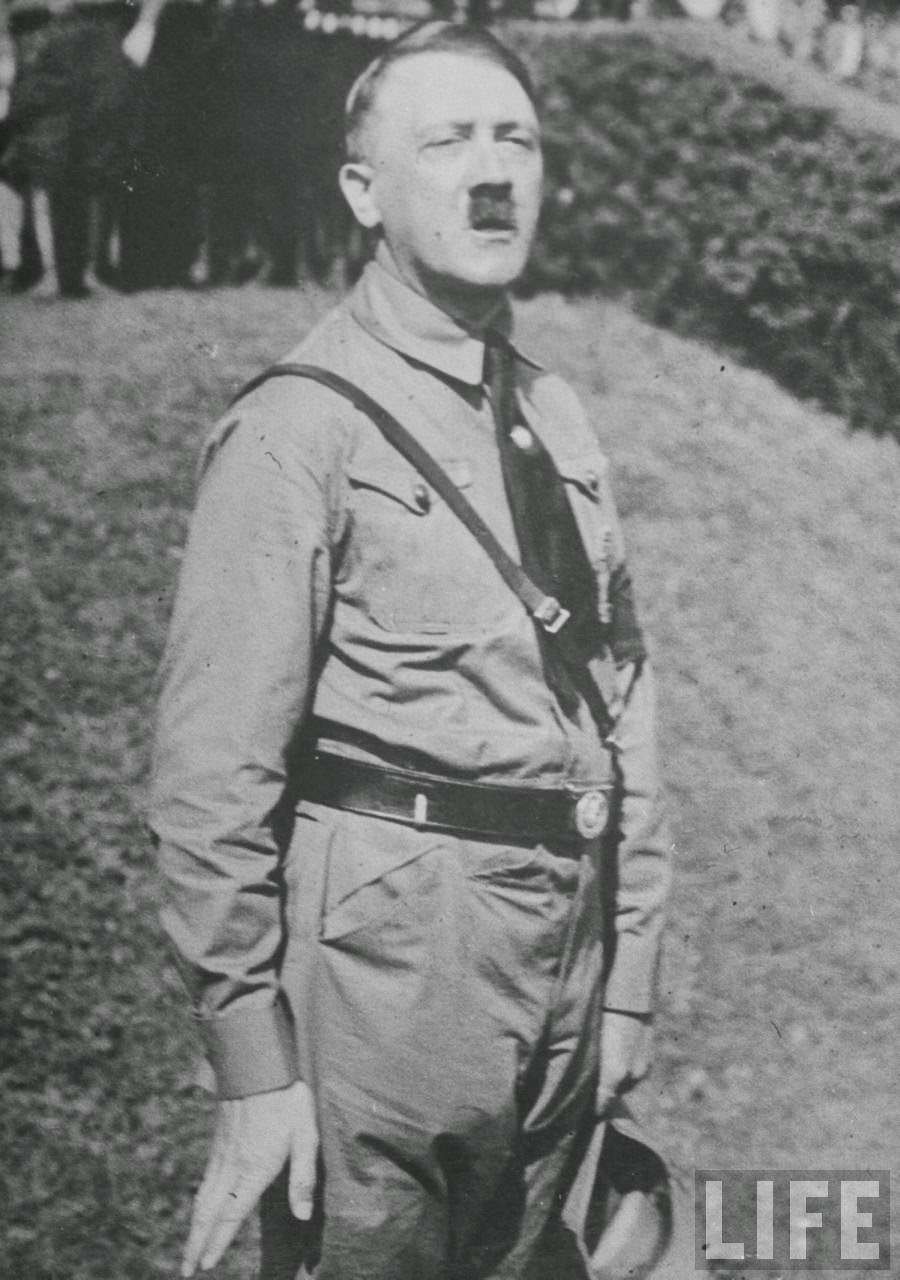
(766, 543)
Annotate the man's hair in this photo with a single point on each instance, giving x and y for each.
(432, 36)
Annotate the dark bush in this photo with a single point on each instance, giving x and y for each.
(724, 212)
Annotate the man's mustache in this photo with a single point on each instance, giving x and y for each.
(492, 211)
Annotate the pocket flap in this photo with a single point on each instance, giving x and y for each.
(403, 483)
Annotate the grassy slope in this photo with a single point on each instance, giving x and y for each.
(765, 544)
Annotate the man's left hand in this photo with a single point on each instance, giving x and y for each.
(625, 1040)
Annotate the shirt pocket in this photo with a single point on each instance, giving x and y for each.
(584, 476)
(411, 564)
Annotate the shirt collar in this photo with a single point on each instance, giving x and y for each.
(410, 323)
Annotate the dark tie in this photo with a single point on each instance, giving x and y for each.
(550, 546)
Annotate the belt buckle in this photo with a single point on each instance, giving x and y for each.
(591, 814)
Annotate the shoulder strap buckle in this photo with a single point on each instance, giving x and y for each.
(551, 615)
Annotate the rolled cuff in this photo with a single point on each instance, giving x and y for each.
(251, 1051)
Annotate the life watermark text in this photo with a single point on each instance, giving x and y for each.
(779, 1219)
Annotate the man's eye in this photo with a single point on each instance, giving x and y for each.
(449, 140)
(524, 140)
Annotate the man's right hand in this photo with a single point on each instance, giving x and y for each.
(254, 1137)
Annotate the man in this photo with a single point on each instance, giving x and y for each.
(417, 947)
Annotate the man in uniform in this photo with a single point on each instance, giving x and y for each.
(413, 850)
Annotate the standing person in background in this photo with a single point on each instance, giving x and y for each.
(410, 829)
(11, 203)
(68, 119)
(260, 84)
(329, 232)
(160, 210)
(276, 95)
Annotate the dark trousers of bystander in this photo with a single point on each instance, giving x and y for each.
(159, 211)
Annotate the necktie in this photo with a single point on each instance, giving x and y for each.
(550, 546)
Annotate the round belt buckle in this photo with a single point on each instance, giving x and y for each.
(591, 813)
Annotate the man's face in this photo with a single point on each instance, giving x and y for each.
(454, 148)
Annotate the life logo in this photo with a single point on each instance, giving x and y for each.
(799, 1219)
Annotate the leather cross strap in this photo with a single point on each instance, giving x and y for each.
(546, 610)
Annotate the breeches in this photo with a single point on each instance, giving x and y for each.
(446, 996)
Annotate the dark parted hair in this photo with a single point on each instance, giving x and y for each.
(431, 36)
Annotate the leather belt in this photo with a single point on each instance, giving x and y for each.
(428, 801)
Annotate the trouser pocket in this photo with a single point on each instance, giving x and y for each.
(378, 871)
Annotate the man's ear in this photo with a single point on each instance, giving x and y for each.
(355, 180)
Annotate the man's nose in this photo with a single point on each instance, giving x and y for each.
(490, 166)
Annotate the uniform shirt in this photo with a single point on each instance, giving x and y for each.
(326, 590)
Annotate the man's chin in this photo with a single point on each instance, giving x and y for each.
(474, 287)
(494, 264)
(497, 254)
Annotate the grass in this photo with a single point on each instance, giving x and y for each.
(765, 544)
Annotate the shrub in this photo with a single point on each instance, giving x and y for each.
(725, 212)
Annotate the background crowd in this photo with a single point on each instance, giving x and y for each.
(170, 146)
(153, 144)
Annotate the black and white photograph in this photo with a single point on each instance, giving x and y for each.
(450, 639)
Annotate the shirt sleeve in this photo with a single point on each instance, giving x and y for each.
(643, 865)
(251, 604)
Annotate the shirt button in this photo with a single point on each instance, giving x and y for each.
(421, 496)
(522, 438)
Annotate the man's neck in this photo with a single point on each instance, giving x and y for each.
(472, 309)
